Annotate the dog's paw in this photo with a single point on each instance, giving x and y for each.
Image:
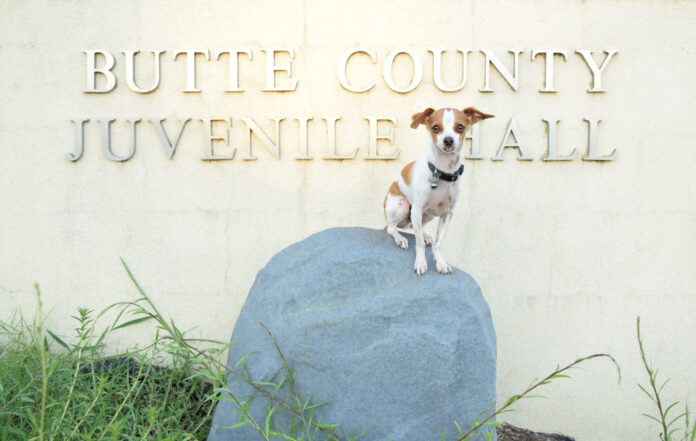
(443, 268)
(420, 266)
(401, 242)
(427, 239)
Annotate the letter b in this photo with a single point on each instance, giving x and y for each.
(93, 70)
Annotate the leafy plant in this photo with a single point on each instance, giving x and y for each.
(558, 373)
(653, 392)
(50, 394)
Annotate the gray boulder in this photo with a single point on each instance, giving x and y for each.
(405, 355)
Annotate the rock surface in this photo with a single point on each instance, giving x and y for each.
(405, 355)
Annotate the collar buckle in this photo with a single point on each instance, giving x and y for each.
(433, 179)
(439, 174)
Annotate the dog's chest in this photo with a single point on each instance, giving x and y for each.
(441, 199)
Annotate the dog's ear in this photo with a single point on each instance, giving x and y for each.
(474, 115)
(419, 118)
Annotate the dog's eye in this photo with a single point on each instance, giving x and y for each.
(460, 128)
(435, 129)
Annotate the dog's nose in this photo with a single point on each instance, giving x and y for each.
(448, 141)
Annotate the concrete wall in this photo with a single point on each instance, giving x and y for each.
(568, 253)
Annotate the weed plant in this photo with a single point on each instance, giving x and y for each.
(669, 431)
(79, 394)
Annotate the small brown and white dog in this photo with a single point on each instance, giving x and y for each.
(429, 187)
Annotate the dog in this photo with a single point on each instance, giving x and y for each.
(429, 187)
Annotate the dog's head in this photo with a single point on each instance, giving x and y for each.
(448, 126)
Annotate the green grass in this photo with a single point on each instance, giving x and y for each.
(77, 393)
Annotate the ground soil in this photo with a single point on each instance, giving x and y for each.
(512, 433)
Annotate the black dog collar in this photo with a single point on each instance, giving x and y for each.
(439, 174)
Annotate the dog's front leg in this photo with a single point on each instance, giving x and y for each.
(421, 265)
(440, 264)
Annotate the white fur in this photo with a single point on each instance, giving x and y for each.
(447, 127)
(426, 203)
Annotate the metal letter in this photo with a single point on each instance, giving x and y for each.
(596, 71)
(514, 130)
(79, 139)
(209, 151)
(491, 59)
(93, 70)
(331, 140)
(271, 69)
(234, 65)
(437, 69)
(341, 69)
(169, 149)
(473, 135)
(272, 147)
(130, 70)
(592, 154)
(304, 146)
(372, 152)
(548, 68)
(105, 124)
(417, 71)
(191, 66)
(552, 144)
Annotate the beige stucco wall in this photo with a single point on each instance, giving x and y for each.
(567, 253)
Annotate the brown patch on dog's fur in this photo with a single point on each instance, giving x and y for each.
(394, 190)
(461, 118)
(419, 118)
(474, 115)
(407, 172)
(435, 119)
